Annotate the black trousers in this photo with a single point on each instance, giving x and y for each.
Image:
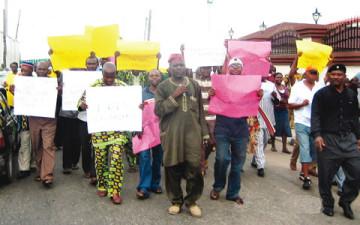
(194, 183)
(339, 151)
(71, 142)
(87, 152)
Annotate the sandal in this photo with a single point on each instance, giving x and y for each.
(237, 200)
(37, 179)
(157, 190)
(141, 195)
(47, 183)
(214, 195)
(301, 176)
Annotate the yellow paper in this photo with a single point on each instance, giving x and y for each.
(69, 51)
(103, 39)
(313, 54)
(137, 55)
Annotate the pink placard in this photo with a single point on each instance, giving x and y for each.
(253, 54)
(151, 130)
(236, 95)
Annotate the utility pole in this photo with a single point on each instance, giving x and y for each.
(5, 31)
(149, 26)
(145, 29)
(17, 26)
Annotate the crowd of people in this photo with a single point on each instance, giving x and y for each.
(323, 110)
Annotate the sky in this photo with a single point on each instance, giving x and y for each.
(173, 21)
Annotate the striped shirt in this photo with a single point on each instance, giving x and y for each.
(266, 103)
(205, 86)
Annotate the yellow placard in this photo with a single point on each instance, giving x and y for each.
(137, 55)
(69, 51)
(103, 39)
(313, 54)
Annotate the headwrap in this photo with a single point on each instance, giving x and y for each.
(236, 61)
(175, 57)
(358, 76)
(28, 64)
(334, 67)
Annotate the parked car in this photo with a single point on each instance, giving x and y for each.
(8, 142)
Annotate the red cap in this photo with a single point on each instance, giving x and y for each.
(175, 57)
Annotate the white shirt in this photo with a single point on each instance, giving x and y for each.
(300, 92)
(82, 116)
(266, 103)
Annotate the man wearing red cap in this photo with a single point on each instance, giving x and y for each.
(183, 128)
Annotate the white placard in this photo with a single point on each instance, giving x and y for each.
(74, 85)
(35, 96)
(114, 108)
(197, 56)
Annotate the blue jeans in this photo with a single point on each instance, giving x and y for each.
(229, 150)
(150, 172)
(306, 143)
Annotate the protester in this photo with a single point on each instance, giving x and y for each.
(88, 159)
(300, 101)
(110, 175)
(335, 127)
(42, 132)
(26, 156)
(204, 80)
(183, 128)
(230, 133)
(282, 126)
(9, 80)
(262, 135)
(150, 159)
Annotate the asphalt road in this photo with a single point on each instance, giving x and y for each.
(275, 199)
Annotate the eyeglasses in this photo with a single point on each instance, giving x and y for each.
(313, 72)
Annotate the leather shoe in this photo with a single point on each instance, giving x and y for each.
(116, 199)
(101, 193)
(348, 213)
(328, 211)
(261, 172)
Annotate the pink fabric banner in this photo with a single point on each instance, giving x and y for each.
(235, 95)
(151, 130)
(253, 54)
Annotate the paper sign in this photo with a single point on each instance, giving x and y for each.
(204, 56)
(69, 51)
(313, 54)
(35, 96)
(114, 108)
(137, 55)
(151, 131)
(254, 56)
(103, 39)
(236, 95)
(74, 85)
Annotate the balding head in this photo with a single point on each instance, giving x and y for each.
(109, 67)
(42, 69)
(109, 72)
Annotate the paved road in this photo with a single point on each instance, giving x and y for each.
(275, 199)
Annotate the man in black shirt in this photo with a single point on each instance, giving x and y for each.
(335, 127)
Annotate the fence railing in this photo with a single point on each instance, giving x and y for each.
(344, 36)
(284, 42)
